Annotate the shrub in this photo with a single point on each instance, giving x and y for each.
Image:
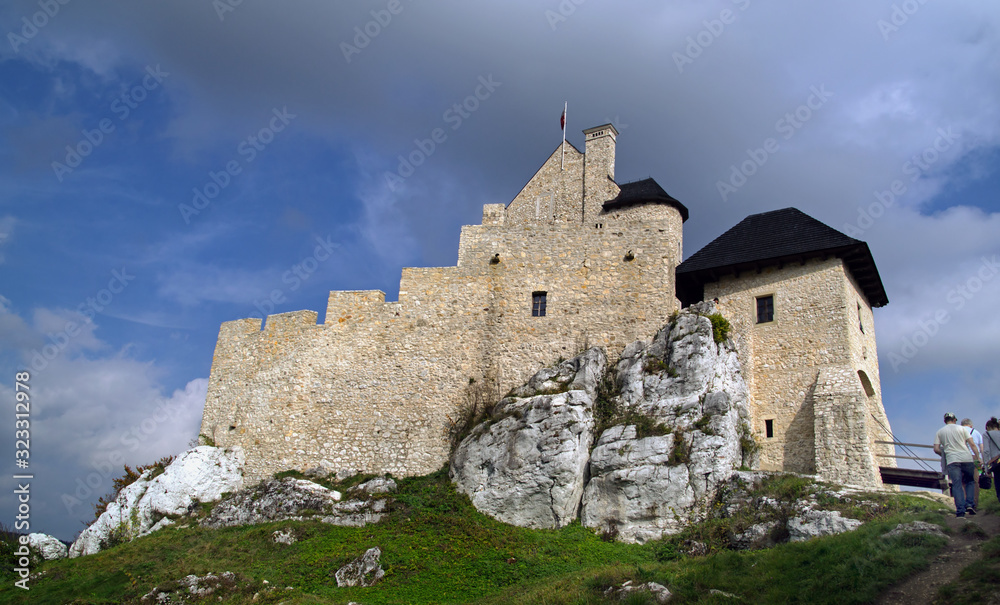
(656, 365)
(606, 408)
(720, 327)
(703, 424)
(749, 447)
(481, 397)
(681, 453)
(131, 476)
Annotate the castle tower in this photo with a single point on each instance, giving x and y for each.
(599, 170)
(799, 295)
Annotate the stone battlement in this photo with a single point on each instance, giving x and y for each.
(575, 260)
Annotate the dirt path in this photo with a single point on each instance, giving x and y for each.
(962, 549)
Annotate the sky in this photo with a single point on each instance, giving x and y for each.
(167, 166)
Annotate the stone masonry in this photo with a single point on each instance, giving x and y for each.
(813, 371)
(376, 386)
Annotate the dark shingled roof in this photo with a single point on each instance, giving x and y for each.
(776, 238)
(646, 191)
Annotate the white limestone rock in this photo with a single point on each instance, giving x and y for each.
(378, 485)
(659, 592)
(646, 486)
(357, 513)
(194, 587)
(201, 474)
(47, 547)
(815, 523)
(272, 500)
(363, 571)
(916, 527)
(527, 467)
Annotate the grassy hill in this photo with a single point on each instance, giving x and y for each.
(436, 548)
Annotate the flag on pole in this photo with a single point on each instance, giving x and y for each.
(562, 120)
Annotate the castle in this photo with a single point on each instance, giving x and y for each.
(575, 260)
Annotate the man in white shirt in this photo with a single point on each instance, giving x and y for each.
(951, 441)
(977, 438)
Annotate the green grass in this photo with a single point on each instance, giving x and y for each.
(438, 549)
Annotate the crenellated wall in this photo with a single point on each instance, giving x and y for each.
(375, 387)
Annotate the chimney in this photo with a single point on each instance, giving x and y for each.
(599, 169)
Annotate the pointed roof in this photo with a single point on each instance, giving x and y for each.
(776, 238)
(646, 191)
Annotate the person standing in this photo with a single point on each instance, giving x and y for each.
(977, 438)
(991, 452)
(951, 441)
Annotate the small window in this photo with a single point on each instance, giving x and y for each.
(538, 304)
(866, 384)
(765, 309)
(861, 323)
(769, 428)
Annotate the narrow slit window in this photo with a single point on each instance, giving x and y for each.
(861, 323)
(765, 309)
(769, 428)
(538, 304)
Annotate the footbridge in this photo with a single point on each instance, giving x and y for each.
(928, 478)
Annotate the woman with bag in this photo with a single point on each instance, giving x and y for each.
(991, 453)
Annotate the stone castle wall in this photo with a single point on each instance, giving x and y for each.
(803, 369)
(375, 387)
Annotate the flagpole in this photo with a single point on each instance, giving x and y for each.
(562, 162)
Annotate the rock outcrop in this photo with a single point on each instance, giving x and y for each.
(916, 527)
(758, 520)
(363, 571)
(665, 427)
(683, 405)
(201, 474)
(526, 466)
(194, 587)
(47, 547)
(296, 499)
(815, 523)
(658, 592)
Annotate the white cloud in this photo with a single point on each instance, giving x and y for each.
(90, 414)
